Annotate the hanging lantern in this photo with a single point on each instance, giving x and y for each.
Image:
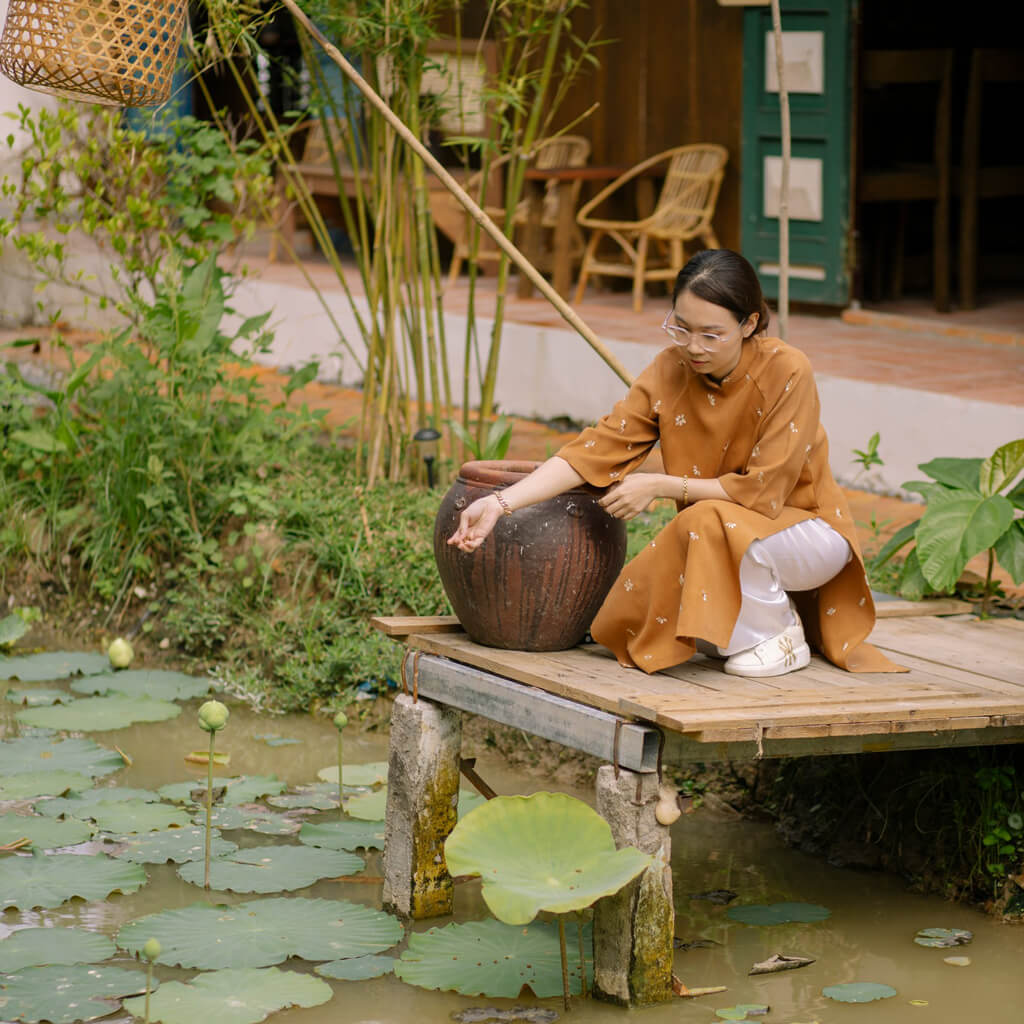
(119, 52)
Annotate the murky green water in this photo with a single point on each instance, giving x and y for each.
(868, 937)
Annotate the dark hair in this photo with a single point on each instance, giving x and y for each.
(726, 279)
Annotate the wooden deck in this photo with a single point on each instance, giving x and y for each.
(965, 687)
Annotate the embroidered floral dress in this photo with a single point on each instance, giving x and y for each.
(759, 433)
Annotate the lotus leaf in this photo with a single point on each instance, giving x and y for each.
(77, 804)
(369, 806)
(45, 833)
(37, 783)
(241, 789)
(358, 968)
(344, 835)
(174, 844)
(241, 995)
(40, 753)
(943, 938)
(272, 868)
(371, 774)
(144, 682)
(489, 958)
(469, 801)
(36, 947)
(742, 1012)
(49, 881)
(65, 994)
(303, 801)
(93, 714)
(547, 851)
(255, 819)
(778, 913)
(858, 992)
(273, 740)
(12, 629)
(38, 698)
(41, 668)
(137, 816)
(264, 932)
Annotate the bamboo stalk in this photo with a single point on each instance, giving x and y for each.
(784, 184)
(485, 222)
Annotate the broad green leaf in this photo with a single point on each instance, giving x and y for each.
(358, 968)
(343, 835)
(357, 774)
(146, 683)
(1002, 467)
(41, 668)
(173, 844)
(45, 833)
(369, 807)
(24, 785)
(49, 881)
(488, 958)
(255, 819)
(912, 585)
(37, 947)
(304, 801)
(65, 994)
(38, 698)
(94, 714)
(547, 851)
(1010, 551)
(858, 992)
(38, 440)
(77, 804)
(902, 536)
(263, 932)
(126, 816)
(778, 913)
(943, 938)
(12, 628)
(953, 529)
(1017, 496)
(241, 789)
(242, 995)
(39, 754)
(960, 473)
(928, 490)
(272, 868)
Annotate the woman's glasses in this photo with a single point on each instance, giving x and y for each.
(682, 335)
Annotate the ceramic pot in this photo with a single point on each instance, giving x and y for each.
(538, 580)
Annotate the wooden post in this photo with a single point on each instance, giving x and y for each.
(634, 929)
(423, 796)
(780, 66)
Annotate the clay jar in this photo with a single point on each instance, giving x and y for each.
(538, 580)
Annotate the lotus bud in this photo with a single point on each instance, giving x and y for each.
(213, 716)
(151, 950)
(667, 809)
(340, 720)
(120, 653)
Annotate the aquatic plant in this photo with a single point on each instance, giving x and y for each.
(340, 721)
(213, 716)
(120, 653)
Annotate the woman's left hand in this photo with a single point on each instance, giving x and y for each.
(631, 496)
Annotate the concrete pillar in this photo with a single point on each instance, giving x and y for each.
(633, 930)
(423, 796)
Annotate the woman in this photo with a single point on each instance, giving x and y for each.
(762, 531)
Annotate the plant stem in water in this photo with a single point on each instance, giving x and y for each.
(583, 956)
(565, 963)
(209, 811)
(341, 789)
(149, 988)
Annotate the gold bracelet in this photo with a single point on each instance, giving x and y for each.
(505, 507)
(686, 497)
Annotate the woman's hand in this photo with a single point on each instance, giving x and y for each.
(476, 523)
(631, 496)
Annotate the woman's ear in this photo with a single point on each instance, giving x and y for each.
(752, 321)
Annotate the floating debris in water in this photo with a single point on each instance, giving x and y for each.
(695, 944)
(718, 896)
(486, 1014)
(957, 961)
(780, 962)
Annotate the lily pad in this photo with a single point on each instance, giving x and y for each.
(12, 629)
(93, 714)
(489, 958)
(858, 992)
(78, 803)
(264, 932)
(744, 1011)
(174, 844)
(37, 947)
(255, 819)
(779, 913)
(26, 785)
(65, 994)
(943, 938)
(146, 682)
(240, 789)
(303, 801)
(358, 968)
(137, 816)
(372, 774)
(41, 753)
(49, 881)
(272, 868)
(547, 851)
(469, 801)
(233, 996)
(45, 833)
(41, 668)
(273, 740)
(369, 806)
(343, 835)
(38, 698)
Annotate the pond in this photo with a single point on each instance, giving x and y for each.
(868, 936)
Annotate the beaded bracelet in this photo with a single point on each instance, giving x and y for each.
(505, 507)
(686, 497)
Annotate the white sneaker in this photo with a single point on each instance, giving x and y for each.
(785, 652)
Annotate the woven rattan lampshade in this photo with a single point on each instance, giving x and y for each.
(120, 52)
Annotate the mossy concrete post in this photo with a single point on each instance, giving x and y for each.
(633, 930)
(423, 796)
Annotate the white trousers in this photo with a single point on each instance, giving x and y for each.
(801, 557)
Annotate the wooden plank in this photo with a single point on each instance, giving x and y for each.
(912, 609)
(408, 625)
(958, 679)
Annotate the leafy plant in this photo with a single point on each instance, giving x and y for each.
(869, 456)
(494, 444)
(973, 507)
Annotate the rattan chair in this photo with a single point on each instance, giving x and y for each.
(683, 211)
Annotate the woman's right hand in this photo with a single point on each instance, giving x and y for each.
(476, 523)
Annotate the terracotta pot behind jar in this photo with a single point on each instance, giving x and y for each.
(538, 580)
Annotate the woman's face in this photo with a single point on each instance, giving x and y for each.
(710, 336)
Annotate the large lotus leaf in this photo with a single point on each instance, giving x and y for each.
(547, 851)
(344, 835)
(489, 958)
(369, 807)
(358, 968)
(356, 774)
(255, 819)
(304, 801)
(93, 714)
(12, 628)
(41, 668)
(45, 833)
(49, 881)
(858, 992)
(241, 995)
(65, 994)
(240, 789)
(41, 753)
(272, 868)
(263, 932)
(137, 816)
(943, 938)
(78, 804)
(469, 801)
(779, 913)
(146, 682)
(38, 698)
(173, 844)
(35, 947)
(22, 786)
